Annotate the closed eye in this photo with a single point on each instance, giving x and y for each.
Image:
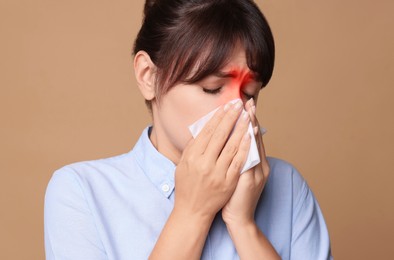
(212, 91)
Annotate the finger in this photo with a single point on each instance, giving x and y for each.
(259, 139)
(255, 124)
(261, 148)
(249, 104)
(231, 147)
(251, 108)
(262, 169)
(239, 159)
(222, 131)
(202, 139)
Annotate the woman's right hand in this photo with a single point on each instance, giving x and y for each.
(208, 172)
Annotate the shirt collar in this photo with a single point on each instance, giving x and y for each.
(158, 168)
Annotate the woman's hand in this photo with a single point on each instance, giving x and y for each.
(209, 169)
(238, 213)
(206, 177)
(240, 209)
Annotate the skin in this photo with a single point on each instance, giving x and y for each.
(207, 176)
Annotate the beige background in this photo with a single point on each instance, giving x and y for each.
(68, 94)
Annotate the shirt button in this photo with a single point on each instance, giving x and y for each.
(165, 187)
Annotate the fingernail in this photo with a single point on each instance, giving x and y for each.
(252, 102)
(254, 110)
(255, 130)
(227, 106)
(237, 105)
(263, 130)
(245, 116)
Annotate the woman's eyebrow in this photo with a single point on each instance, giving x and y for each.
(233, 74)
(222, 74)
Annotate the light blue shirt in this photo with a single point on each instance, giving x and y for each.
(115, 208)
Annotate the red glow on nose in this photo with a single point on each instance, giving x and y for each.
(238, 78)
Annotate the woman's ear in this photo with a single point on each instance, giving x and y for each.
(145, 70)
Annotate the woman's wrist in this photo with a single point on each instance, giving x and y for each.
(183, 236)
(236, 222)
(195, 218)
(244, 227)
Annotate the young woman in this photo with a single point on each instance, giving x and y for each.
(178, 197)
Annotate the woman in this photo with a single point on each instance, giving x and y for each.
(178, 197)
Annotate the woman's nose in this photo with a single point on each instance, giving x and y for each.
(234, 93)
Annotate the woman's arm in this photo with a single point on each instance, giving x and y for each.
(205, 178)
(70, 231)
(310, 238)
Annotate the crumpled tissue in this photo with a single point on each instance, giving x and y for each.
(253, 156)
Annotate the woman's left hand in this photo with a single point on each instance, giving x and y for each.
(241, 207)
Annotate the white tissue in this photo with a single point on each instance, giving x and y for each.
(253, 156)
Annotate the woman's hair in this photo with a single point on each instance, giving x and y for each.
(188, 40)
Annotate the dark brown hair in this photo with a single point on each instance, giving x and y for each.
(189, 40)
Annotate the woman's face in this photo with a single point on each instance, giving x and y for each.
(184, 104)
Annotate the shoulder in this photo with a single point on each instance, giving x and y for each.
(97, 167)
(309, 234)
(281, 170)
(69, 209)
(75, 177)
(284, 176)
(280, 166)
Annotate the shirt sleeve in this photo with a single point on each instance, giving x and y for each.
(70, 232)
(310, 238)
